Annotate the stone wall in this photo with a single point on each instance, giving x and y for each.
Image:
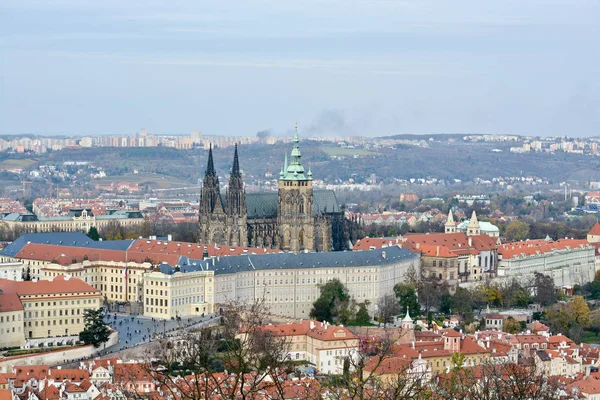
(55, 357)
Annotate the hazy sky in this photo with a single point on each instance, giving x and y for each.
(527, 67)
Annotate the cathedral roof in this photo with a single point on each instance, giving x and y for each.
(336, 259)
(265, 204)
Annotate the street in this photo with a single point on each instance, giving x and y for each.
(135, 330)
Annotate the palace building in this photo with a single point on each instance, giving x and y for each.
(295, 218)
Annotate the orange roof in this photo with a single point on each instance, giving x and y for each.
(531, 339)
(102, 362)
(537, 326)
(5, 394)
(9, 301)
(451, 333)
(72, 388)
(157, 251)
(50, 392)
(390, 365)
(595, 229)
(470, 346)
(588, 385)
(58, 285)
(26, 372)
(320, 330)
(73, 375)
(375, 243)
(532, 247)
(128, 372)
(437, 251)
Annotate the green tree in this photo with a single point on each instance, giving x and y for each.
(516, 230)
(93, 234)
(387, 308)
(445, 304)
(462, 301)
(362, 315)
(333, 301)
(96, 331)
(113, 231)
(545, 292)
(511, 325)
(407, 297)
(570, 319)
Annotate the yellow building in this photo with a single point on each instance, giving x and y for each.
(78, 222)
(11, 320)
(172, 293)
(118, 281)
(53, 308)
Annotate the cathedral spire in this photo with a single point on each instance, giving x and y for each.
(295, 171)
(210, 167)
(235, 170)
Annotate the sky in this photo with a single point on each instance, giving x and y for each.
(345, 67)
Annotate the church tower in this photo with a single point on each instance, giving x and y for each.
(237, 230)
(473, 228)
(295, 204)
(450, 224)
(212, 214)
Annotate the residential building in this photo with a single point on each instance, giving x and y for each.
(319, 343)
(456, 256)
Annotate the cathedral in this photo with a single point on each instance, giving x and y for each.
(295, 218)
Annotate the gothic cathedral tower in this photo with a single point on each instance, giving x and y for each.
(295, 204)
(212, 220)
(235, 209)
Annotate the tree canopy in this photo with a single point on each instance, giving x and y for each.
(407, 297)
(93, 234)
(516, 230)
(333, 303)
(96, 331)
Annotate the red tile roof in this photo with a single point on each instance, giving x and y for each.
(319, 331)
(595, 229)
(58, 285)
(375, 243)
(73, 375)
(50, 392)
(5, 394)
(156, 251)
(26, 372)
(9, 301)
(588, 385)
(532, 247)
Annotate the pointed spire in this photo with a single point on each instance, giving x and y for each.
(474, 217)
(235, 170)
(450, 217)
(407, 318)
(210, 168)
(295, 171)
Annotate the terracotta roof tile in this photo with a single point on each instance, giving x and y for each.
(58, 285)
(9, 301)
(532, 247)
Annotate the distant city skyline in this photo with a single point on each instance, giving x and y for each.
(364, 68)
